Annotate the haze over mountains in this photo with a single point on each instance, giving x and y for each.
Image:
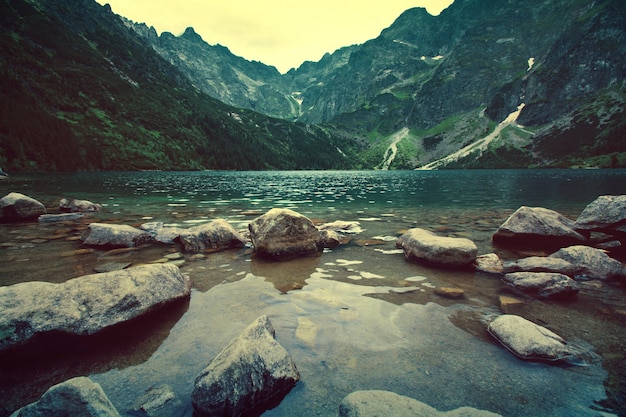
(484, 84)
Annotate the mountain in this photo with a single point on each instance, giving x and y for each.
(79, 90)
(441, 91)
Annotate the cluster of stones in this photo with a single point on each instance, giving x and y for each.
(254, 371)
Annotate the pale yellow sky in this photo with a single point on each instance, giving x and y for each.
(276, 32)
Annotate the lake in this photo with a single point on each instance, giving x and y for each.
(356, 317)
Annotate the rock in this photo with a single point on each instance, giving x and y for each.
(87, 304)
(331, 238)
(604, 213)
(489, 263)
(542, 264)
(284, 234)
(543, 284)
(449, 292)
(252, 373)
(595, 263)
(422, 245)
(509, 305)
(384, 403)
(80, 397)
(528, 340)
(16, 207)
(160, 233)
(159, 401)
(78, 206)
(342, 226)
(64, 217)
(218, 234)
(537, 227)
(117, 235)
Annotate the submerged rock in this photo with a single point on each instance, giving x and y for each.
(118, 235)
(16, 207)
(87, 304)
(594, 263)
(63, 217)
(385, 403)
(422, 245)
(528, 340)
(543, 284)
(218, 234)
(537, 227)
(250, 374)
(284, 234)
(79, 397)
(78, 206)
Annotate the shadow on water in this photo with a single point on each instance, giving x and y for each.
(28, 371)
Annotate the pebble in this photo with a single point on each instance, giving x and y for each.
(450, 292)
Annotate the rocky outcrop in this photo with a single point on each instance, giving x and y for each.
(87, 304)
(385, 403)
(543, 284)
(528, 340)
(594, 263)
(537, 227)
(75, 397)
(251, 373)
(17, 207)
(422, 245)
(284, 234)
(116, 235)
(78, 206)
(215, 235)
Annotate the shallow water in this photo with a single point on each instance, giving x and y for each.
(356, 317)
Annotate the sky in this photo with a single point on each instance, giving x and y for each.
(281, 33)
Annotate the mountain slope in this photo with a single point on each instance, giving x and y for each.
(80, 90)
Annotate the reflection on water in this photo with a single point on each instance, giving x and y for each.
(356, 317)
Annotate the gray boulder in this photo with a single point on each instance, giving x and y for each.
(76, 397)
(384, 403)
(216, 235)
(542, 264)
(161, 233)
(17, 207)
(594, 263)
(117, 235)
(284, 234)
(489, 263)
(422, 245)
(543, 284)
(604, 213)
(537, 227)
(78, 206)
(528, 340)
(253, 371)
(87, 304)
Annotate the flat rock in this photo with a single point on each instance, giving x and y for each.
(509, 305)
(422, 245)
(80, 397)
(250, 374)
(528, 340)
(116, 235)
(284, 234)
(17, 207)
(78, 206)
(63, 217)
(594, 263)
(537, 227)
(543, 284)
(542, 264)
(217, 234)
(450, 292)
(87, 304)
(389, 404)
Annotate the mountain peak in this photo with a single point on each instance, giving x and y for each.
(191, 35)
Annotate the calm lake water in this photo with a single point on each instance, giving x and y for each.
(357, 317)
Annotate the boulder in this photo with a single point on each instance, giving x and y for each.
(87, 304)
(17, 207)
(331, 238)
(78, 206)
(537, 227)
(603, 214)
(117, 235)
(422, 245)
(161, 233)
(79, 397)
(385, 403)
(284, 234)
(543, 284)
(594, 263)
(489, 263)
(252, 373)
(528, 340)
(218, 234)
(542, 264)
